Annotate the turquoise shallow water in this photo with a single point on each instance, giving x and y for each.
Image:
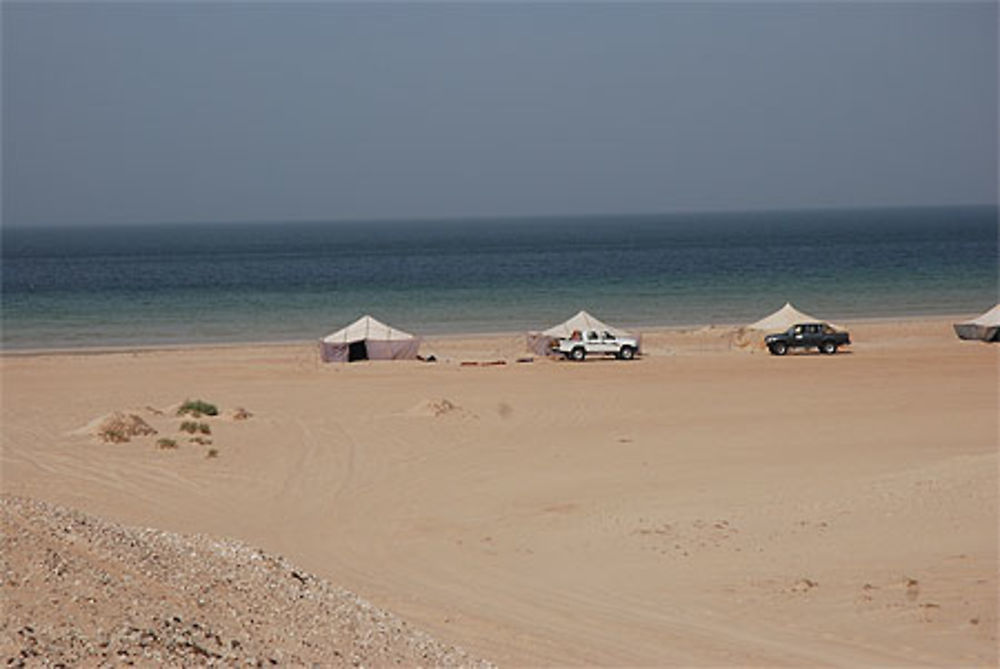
(175, 284)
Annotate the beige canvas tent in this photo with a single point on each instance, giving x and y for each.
(540, 342)
(368, 339)
(984, 328)
(784, 318)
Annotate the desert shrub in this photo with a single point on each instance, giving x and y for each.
(204, 428)
(212, 453)
(189, 426)
(200, 440)
(118, 427)
(166, 443)
(197, 407)
(115, 435)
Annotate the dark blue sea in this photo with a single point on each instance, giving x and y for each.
(176, 284)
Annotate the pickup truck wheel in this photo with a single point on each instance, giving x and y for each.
(627, 353)
(778, 348)
(828, 347)
(578, 354)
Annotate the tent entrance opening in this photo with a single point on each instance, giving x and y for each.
(357, 351)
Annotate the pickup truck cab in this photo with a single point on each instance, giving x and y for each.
(596, 342)
(807, 335)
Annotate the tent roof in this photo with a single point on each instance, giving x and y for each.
(582, 321)
(784, 318)
(989, 319)
(366, 327)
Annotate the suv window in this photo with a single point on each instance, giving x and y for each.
(591, 335)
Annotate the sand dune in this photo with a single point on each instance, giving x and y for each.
(706, 504)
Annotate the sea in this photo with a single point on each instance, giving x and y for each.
(178, 284)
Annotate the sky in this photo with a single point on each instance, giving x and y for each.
(146, 112)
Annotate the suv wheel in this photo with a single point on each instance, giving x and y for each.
(828, 347)
(627, 353)
(778, 348)
(578, 354)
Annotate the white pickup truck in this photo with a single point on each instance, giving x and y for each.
(596, 342)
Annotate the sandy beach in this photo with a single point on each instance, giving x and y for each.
(702, 505)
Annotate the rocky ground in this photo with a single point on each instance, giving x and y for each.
(80, 590)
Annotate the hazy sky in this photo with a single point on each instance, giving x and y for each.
(142, 112)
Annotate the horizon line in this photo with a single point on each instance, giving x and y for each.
(485, 218)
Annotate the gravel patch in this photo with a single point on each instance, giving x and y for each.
(79, 590)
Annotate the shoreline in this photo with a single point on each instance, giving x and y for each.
(88, 350)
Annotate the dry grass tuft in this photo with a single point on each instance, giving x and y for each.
(197, 408)
(192, 427)
(119, 427)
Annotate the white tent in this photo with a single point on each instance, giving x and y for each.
(541, 342)
(784, 318)
(986, 327)
(368, 339)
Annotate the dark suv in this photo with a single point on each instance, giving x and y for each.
(807, 335)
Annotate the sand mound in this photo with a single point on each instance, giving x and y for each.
(239, 413)
(438, 408)
(745, 339)
(118, 427)
(79, 590)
